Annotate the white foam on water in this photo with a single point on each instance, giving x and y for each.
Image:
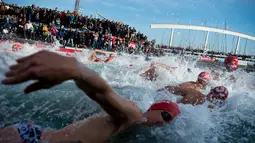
(235, 122)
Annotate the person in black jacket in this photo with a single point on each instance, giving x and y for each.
(77, 37)
(70, 36)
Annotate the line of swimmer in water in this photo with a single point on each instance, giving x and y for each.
(44, 67)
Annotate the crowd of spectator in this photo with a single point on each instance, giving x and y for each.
(75, 30)
(70, 28)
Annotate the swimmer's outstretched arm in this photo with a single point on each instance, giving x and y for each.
(151, 71)
(50, 69)
(93, 56)
(97, 89)
(166, 66)
(215, 75)
(100, 52)
(231, 78)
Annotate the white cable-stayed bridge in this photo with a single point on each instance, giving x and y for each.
(237, 39)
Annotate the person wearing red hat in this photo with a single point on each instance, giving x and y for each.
(230, 65)
(120, 113)
(201, 83)
(94, 57)
(216, 97)
(151, 73)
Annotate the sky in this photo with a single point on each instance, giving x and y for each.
(237, 14)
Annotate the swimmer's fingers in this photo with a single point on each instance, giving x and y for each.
(37, 86)
(15, 67)
(18, 68)
(24, 59)
(30, 74)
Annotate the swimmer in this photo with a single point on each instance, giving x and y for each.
(151, 74)
(201, 83)
(217, 96)
(94, 56)
(230, 64)
(16, 47)
(110, 58)
(120, 113)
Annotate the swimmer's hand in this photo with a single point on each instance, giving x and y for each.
(47, 68)
(232, 78)
(100, 52)
(216, 75)
(50, 69)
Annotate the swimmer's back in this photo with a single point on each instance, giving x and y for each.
(193, 97)
(190, 84)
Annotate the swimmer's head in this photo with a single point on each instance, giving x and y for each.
(218, 95)
(161, 112)
(231, 63)
(153, 64)
(111, 55)
(204, 78)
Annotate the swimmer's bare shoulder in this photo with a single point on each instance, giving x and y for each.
(96, 129)
(187, 84)
(131, 107)
(192, 96)
(191, 84)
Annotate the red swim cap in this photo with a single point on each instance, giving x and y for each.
(168, 106)
(204, 76)
(231, 63)
(98, 60)
(16, 47)
(218, 95)
(109, 59)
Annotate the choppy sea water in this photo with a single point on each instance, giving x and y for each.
(65, 104)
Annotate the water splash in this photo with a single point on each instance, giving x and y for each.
(64, 104)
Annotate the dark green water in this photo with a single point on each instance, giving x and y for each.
(65, 104)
